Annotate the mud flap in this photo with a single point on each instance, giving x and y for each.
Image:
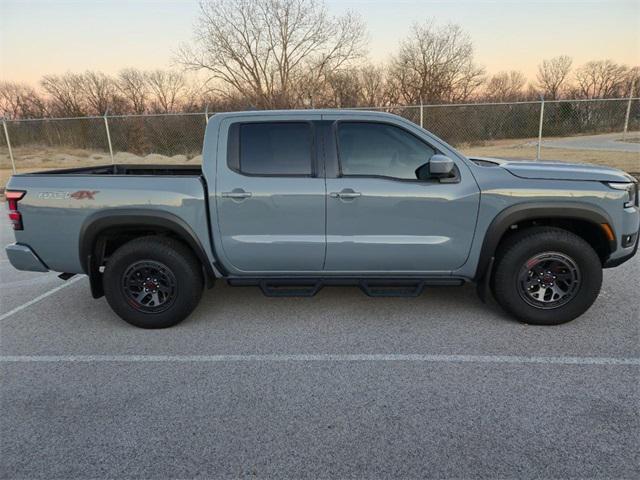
(483, 286)
(95, 278)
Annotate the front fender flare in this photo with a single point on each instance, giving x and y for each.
(532, 211)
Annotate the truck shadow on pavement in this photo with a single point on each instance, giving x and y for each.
(241, 320)
(435, 303)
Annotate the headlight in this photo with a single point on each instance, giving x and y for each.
(632, 192)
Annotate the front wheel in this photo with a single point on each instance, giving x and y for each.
(153, 282)
(546, 276)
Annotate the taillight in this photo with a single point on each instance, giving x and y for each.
(14, 215)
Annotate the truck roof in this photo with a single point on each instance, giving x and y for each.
(320, 111)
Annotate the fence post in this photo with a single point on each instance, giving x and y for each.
(206, 114)
(421, 113)
(540, 128)
(626, 117)
(106, 127)
(6, 135)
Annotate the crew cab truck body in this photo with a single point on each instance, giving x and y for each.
(294, 200)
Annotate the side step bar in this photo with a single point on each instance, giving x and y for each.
(373, 287)
(276, 288)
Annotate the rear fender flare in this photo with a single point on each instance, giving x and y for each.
(100, 221)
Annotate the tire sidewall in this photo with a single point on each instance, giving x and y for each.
(187, 290)
(507, 278)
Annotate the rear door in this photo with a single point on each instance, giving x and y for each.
(380, 217)
(270, 195)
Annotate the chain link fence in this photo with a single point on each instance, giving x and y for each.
(159, 138)
(594, 131)
(604, 131)
(66, 135)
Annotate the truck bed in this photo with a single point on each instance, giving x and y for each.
(59, 206)
(125, 169)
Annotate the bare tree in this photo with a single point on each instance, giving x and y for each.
(363, 85)
(11, 99)
(602, 79)
(467, 83)
(435, 64)
(265, 50)
(633, 82)
(195, 98)
(99, 92)
(552, 76)
(132, 85)
(18, 100)
(531, 93)
(345, 89)
(168, 88)
(65, 92)
(506, 86)
(373, 79)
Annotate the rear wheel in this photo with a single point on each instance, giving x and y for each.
(546, 276)
(153, 282)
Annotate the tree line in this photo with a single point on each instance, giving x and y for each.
(263, 54)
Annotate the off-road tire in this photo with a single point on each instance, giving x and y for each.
(517, 251)
(174, 261)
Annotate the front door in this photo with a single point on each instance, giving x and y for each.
(270, 197)
(380, 218)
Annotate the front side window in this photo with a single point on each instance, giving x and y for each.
(273, 148)
(378, 149)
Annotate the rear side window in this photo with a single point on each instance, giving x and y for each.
(271, 148)
(379, 149)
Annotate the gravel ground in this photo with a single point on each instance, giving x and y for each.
(452, 389)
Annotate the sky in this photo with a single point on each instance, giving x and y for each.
(55, 36)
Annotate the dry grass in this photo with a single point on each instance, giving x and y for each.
(49, 157)
(526, 150)
(32, 159)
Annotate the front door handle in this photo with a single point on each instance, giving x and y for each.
(236, 194)
(345, 194)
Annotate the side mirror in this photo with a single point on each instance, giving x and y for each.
(440, 166)
(422, 172)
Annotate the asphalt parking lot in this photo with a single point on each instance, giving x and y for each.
(339, 385)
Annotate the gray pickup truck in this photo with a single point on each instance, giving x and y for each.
(291, 201)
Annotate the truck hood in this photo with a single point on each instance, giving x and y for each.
(557, 170)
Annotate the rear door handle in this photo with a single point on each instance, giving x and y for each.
(237, 194)
(346, 194)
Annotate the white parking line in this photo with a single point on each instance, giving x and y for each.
(40, 297)
(508, 359)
